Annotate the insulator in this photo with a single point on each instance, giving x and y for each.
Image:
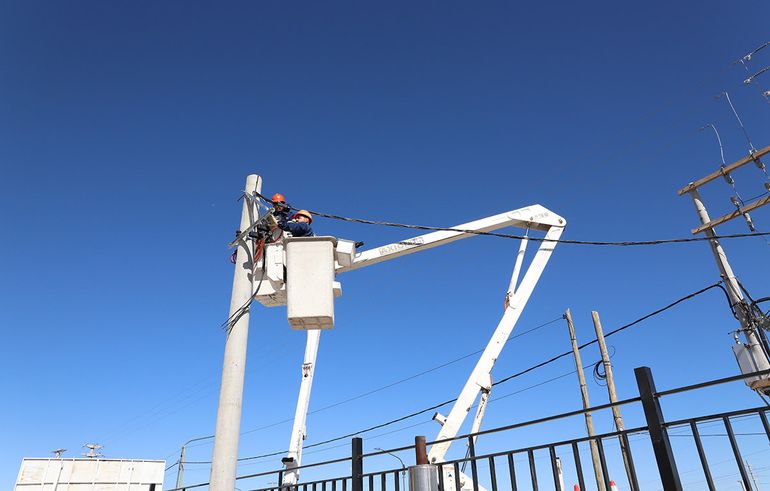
(759, 163)
(728, 178)
(767, 186)
(735, 202)
(749, 222)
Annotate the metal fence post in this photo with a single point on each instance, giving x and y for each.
(664, 455)
(357, 465)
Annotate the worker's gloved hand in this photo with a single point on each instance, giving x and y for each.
(282, 216)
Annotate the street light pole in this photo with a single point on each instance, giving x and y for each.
(180, 464)
(403, 467)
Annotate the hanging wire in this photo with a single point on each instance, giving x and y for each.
(728, 178)
(600, 374)
(752, 149)
(719, 140)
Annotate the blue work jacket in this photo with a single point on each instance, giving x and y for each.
(297, 229)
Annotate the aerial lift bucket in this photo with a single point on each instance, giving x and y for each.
(310, 282)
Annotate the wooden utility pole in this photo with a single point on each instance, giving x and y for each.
(586, 403)
(613, 396)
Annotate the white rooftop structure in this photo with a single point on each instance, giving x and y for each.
(99, 474)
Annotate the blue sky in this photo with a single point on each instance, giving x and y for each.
(127, 130)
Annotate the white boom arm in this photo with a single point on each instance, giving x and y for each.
(298, 431)
(533, 217)
(479, 377)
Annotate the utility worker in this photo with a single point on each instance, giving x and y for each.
(299, 225)
(280, 209)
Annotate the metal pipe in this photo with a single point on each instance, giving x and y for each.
(421, 454)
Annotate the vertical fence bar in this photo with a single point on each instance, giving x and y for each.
(395, 479)
(632, 480)
(344, 485)
(702, 455)
(492, 473)
(736, 452)
(440, 477)
(578, 465)
(314, 487)
(334, 485)
(323, 486)
(554, 468)
(603, 462)
(661, 446)
(512, 472)
(371, 482)
(280, 479)
(532, 469)
(474, 467)
(383, 483)
(458, 486)
(357, 465)
(763, 417)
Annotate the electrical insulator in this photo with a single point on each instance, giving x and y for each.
(749, 222)
(727, 176)
(734, 201)
(759, 163)
(767, 186)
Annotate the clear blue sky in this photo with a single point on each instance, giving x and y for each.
(127, 130)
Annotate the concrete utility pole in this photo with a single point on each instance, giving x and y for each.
(586, 404)
(751, 356)
(613, 396)
(225, 454)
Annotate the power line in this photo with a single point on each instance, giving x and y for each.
(506, 379)
(615, 331)
(530, 387)
(392, 384)
(625, 243)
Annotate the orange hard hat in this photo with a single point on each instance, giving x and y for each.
(278, 198)
(305, 214)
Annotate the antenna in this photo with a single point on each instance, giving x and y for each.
(57, 453)
(92, 447)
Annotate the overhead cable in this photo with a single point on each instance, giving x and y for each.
(614, 331)
(536, 239)
(504, 380)
(392, 384)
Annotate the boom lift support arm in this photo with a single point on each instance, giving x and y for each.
(535, 217)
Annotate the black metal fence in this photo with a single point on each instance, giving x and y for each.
(498, 471)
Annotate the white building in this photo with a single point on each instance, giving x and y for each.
(90, 474)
